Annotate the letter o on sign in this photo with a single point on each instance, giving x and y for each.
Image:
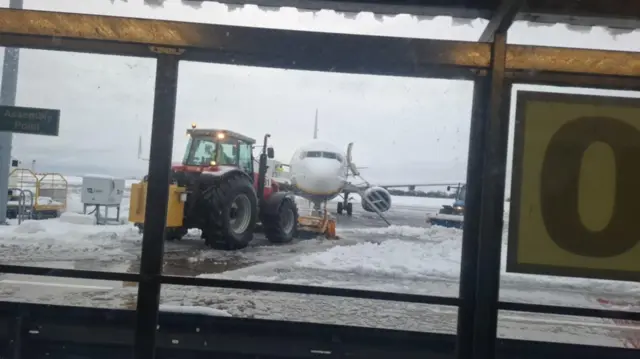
(559, 184)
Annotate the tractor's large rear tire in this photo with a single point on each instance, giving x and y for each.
(282, 226)
(233, 213)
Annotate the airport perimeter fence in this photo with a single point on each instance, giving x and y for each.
(33, 331)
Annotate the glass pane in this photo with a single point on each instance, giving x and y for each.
(59, 180)
(201, 151)
(229, 154)
(404, 153)
(245, 156)
(594, 209)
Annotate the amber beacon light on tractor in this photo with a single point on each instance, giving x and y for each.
(216, 190)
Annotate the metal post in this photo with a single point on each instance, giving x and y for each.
(481, 172)
(495, 136)
(156, 206)
(8, 98)
(471, 226)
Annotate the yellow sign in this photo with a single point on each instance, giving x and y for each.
(575, 202)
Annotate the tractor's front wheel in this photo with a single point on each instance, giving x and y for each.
(281, 226)
(233, 216)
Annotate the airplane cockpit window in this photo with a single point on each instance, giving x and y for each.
(321, 154)
(329, 155)
(332, 155)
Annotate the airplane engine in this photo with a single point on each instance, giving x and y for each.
(379, 197)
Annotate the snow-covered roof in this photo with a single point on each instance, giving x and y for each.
(617, 15)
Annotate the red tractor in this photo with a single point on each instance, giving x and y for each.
(216, 190)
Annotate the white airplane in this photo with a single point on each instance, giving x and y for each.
(320, 172)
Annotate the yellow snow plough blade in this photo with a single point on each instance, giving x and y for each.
(322, 225)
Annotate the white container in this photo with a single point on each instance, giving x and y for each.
(102, 190)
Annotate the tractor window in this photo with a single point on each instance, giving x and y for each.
(202, 151)
(245, 160)
(463, 193)
(229, 154)
(187, 153)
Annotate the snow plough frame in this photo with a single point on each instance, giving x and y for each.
(217, 191)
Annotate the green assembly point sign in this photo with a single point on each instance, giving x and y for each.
(34, 121)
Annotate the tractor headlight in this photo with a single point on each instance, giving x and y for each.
(220, 135)
(183, 197)
(212, 163)
(458, 208)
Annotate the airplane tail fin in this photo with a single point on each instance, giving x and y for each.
(315, 127)
(140, 149)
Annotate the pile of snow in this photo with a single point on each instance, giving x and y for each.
(433, 253)
(71, 237)
(429, 253)
(421, 233)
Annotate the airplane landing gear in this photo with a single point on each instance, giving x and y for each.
(345, 205)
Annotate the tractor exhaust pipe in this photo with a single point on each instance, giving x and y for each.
(262, 169)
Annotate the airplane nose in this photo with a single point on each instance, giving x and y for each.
(324, 170)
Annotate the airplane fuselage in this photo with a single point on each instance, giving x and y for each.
(318, 171)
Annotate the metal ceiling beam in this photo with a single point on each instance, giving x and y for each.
(301, 50)
(501, 19)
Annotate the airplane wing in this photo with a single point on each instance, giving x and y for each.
(418, 184)
(354, 172)
(350, 187)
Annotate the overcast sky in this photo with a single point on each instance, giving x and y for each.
(403, 129)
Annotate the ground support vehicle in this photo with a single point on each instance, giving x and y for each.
(451, 216)
(215, 190)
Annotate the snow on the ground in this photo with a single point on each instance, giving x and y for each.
(433, 252)
(71, 237)
(77, 218)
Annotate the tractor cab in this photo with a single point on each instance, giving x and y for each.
(213, 150)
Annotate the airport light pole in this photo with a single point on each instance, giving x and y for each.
(8, 98)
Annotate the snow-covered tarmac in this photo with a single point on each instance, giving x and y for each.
(406, 257)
